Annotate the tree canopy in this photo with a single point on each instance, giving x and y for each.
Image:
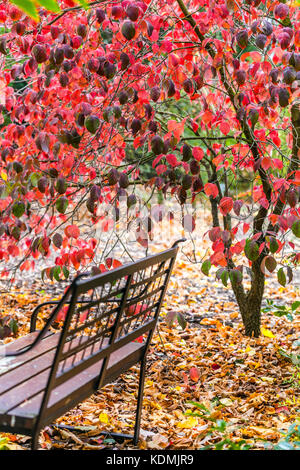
(205, 91)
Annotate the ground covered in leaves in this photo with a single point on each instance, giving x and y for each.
(207, 385)
(206, 382)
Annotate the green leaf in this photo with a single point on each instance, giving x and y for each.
(206, 267)
(281, 277)
(295, 358)
(50, 5)
(66, 272)
(251, 250)
(296, 228)
(18, 209)
(13, 325)
(295, 305)
(220, 272)
(62, 204)
(235, 276)
(34, 178)
(283, 353)
(83, 3)
(56, 273)
(221, 425)
(109, 441)
(273, 245)
(28, 7)
(181, 321)
(198, 405)
(224, 277)
(16, 233)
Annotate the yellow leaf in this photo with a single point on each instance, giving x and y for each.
(4, 175)
(156, 405)
(250, 351)
(265, 433)
(267, 333)
(188, 423)
(267, 379)
(226, 401)
(104, 418)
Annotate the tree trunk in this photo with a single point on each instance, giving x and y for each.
(250, 303)
(251, 314)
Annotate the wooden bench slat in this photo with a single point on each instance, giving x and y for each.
(35, 372)
(63, 393)
(22, 342)
(14, 363)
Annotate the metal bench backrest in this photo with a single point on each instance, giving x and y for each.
(106, 312)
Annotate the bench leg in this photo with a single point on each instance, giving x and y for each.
(120, 436)
(139, 402)
(35, 441)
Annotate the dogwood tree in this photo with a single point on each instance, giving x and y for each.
(206, 91)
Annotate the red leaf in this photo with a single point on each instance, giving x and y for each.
(198, 153)
(142, 238)
(245, 228)
(225, 127)
(172, 160)
(237, 205)
(72, 231)
(116, 263)
(211, 189)
(226, 204)
(194, 374)
(214, 234)
(266, 163)
(282, 409)
(176, 127)
(161, 169)
(156, 160)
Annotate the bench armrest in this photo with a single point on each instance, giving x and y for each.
(35, 313)
(33, 329)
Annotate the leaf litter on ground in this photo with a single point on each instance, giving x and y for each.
(206, 383)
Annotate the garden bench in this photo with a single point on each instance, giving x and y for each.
(100, 328)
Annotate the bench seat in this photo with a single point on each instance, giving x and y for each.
(23, 380)
(100, 328)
